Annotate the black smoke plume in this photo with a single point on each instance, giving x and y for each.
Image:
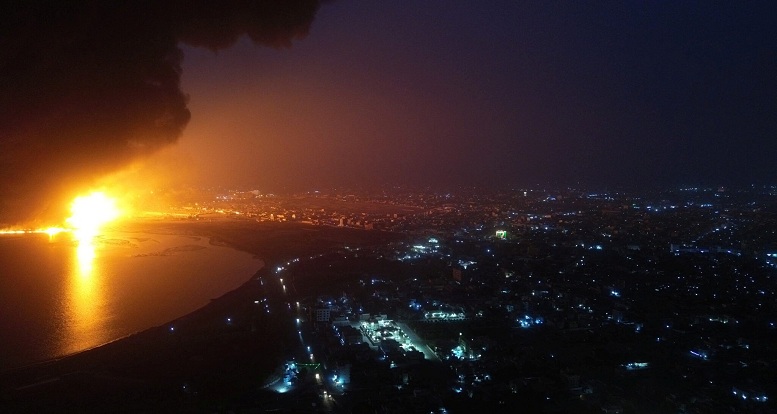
(88, 86)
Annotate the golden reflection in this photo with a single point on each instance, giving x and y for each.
(84, 306)
(84, 300)
(85, 253)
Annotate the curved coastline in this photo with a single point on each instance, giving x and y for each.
(213, 359)
(7, 375)
(39, 364)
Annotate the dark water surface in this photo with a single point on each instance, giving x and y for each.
(58, 297)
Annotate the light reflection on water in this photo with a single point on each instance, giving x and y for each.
(84, 300)
(65, 297)
(85, 253)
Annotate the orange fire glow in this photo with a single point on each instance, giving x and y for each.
(90, 213)
(53, 231)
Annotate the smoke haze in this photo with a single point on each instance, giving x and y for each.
(88, 87)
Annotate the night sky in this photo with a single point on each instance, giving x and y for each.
(505, 93)
(366, 93)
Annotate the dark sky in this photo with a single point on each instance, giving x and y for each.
(368, 92)
(495, 93)
(90, 88)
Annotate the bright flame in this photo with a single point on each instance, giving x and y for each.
(91, 212)
(53, 231)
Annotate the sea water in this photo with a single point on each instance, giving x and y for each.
(59, 296)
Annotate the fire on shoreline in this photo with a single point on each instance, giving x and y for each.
(51, 231)
(88, 214)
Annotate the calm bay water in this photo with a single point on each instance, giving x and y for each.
(58, 297)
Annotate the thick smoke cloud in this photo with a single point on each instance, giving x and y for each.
(87, 87)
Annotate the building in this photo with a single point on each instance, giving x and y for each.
(323, 315)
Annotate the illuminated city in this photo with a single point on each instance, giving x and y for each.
(364, 206)
(565, 300)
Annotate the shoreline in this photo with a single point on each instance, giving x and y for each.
(219, 355)
(84, 353)
(40, 364)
